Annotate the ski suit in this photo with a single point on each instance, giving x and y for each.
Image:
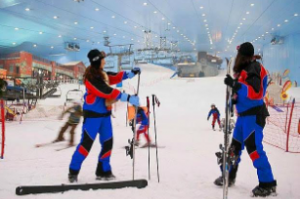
(143, 120)
(252, 113)
(216, 117)
(97, 120)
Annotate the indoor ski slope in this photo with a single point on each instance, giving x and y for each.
(188, 165)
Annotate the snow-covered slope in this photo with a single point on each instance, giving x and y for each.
(188, 165)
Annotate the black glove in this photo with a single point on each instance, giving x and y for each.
(233, 83)
(136, 70)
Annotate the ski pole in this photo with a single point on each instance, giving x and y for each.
(134, 124)
(154, 99)
(148, 132)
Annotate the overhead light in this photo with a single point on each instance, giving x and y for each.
(75, 22)
(35, 45)
(115, 34)
(143, 30)
(98, 42)
(92, 27)
(52, 47)
(75, 38)
(156, 36)
(14, 43)
(255, 39)
(40, 32)
(178, 31)
(267, 32)
(132, 39)
(206, 25)
(262, 35)
(123, 36)
(113, 16)
(252, 4)
(59, 36)
(27, 9)
(204, 20)
(247, 13)
(87, 40)
(155, 12)
(258, 37)
(211, 48)
(244, 19)
(203, 15)
(181, 34)
(207, 32)
(278, 25)
(96, 9)
(286, 21)
(163, 18)
(296, 15)
(238, 27)
(138, 41)
(207, 28)
(135, 26)
(201, 7)
(104, 31)
(272, 28)
(16, 28)
(145, 4)
(55, 17)
(169, 23)
(241, 23)
(174, 27)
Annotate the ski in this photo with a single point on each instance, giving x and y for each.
(67, 147)
(151, 146)
(44, 144)
(25, 190)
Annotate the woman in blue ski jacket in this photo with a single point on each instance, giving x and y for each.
(98, 99)
(249, 86)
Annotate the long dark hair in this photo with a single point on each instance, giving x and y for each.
(94, 70)
(241, 61)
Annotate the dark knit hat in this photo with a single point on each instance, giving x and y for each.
(95, 56)
(246, 49)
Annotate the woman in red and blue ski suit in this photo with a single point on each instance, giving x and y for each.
(98, 98)
(250, 86)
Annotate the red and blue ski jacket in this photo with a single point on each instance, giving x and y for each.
(253, 80)
(215, 112)
(98, 91)
(142, 117)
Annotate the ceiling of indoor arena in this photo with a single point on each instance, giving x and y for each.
(43, 27)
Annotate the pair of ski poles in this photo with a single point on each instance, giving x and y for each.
(154, 102)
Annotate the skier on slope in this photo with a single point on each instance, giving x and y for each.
(143, 120)
(216, 116)
(98, 98)
(74, 119)
(249, 86)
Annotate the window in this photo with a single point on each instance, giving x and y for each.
(17, 69)
(11, 68)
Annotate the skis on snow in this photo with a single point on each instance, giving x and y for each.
(25, 190)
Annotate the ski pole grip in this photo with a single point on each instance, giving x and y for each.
(153, 100)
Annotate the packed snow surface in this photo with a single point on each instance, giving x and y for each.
(187, 164)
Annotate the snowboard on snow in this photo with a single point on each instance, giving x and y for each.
(25, 190)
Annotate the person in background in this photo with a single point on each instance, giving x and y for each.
(74, 119)
(216, 116)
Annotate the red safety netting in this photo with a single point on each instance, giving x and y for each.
(283, 127)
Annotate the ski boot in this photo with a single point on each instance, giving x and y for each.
(265, 189)
(107, 176)
(137, 143)
(219, 181)
(72, 178)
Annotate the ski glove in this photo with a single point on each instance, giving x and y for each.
(233, 83)
(133, 72)
(134, 100)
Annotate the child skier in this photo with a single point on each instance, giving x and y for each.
(216, 116)
(74, 119)
(249, 85)
(143, 120)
